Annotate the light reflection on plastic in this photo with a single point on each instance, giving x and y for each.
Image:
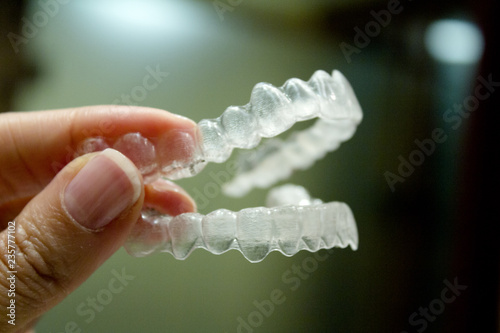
(454, 41)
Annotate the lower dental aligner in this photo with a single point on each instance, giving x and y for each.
(254, 231)
(310, 225)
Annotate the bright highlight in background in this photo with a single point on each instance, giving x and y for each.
(454, 41)
(141, 16)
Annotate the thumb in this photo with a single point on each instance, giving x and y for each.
(65, 233)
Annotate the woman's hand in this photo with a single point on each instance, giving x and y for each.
(62, 218)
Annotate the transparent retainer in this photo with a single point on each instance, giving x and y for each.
(294, 221)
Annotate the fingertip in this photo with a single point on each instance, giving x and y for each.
(168, 198)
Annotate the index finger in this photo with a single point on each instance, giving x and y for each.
(36, 145)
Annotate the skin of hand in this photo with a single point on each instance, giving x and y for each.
(64, 217)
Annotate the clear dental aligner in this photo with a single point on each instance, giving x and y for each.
(272, 111)
(253, 231)
(308, 224)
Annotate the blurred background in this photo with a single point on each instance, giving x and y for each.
(415, 174)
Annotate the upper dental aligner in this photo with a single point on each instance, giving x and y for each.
(255, 232)
(272, 111)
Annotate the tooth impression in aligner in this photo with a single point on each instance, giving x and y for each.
(292, 225)
(331, 99)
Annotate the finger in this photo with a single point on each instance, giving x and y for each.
(9, 210)
(67, 231)
(168, 198)
(36, 145)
